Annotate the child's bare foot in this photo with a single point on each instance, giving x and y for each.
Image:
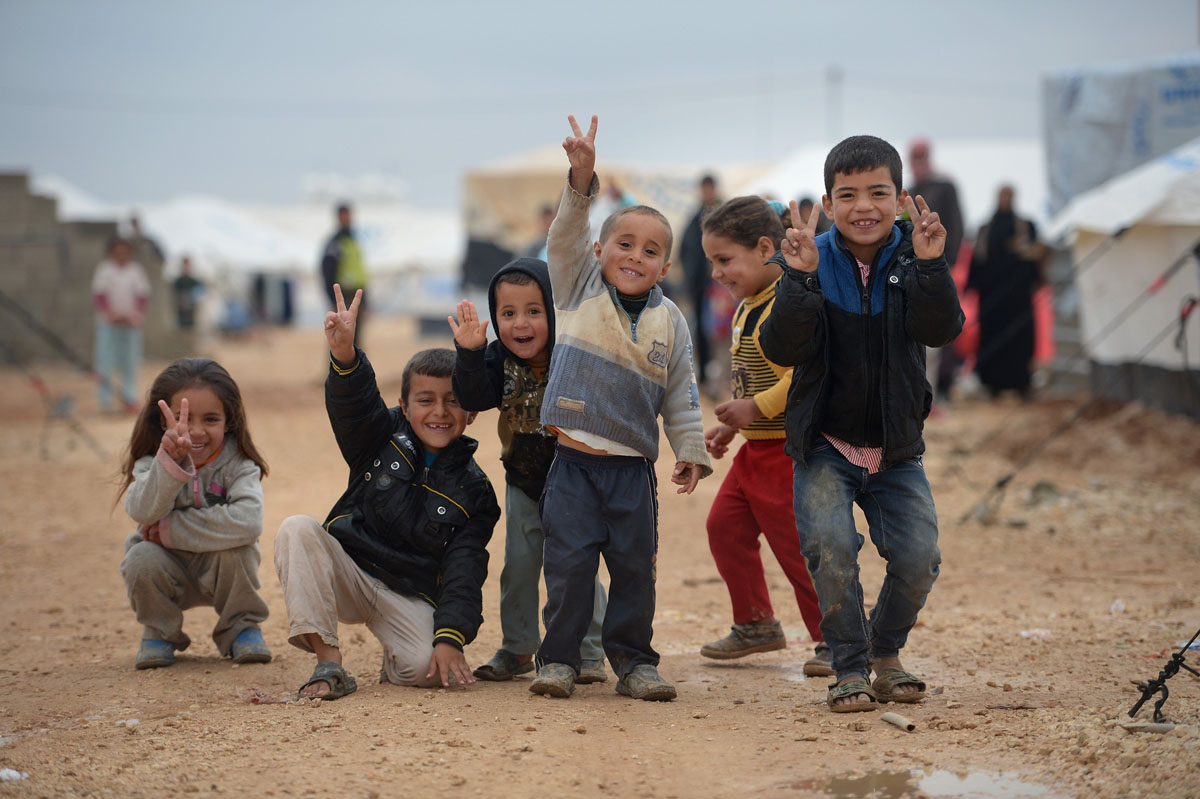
(324, 652)
(894, 684)
(856, 699)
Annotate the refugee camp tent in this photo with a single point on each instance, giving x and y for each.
(1137, 247)
(502, 200)
(1103, 121)
(412, 254)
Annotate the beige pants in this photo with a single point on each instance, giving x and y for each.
(162, 583)
(322, 585)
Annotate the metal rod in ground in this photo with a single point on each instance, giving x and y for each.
(983, 508)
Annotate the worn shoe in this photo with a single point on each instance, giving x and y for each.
(644, 682)
(592, 671)
(554, 679)
(249, 647)
(154, 654)
(821, 663)
(746, 639)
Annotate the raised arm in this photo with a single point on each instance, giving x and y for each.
(574, 270)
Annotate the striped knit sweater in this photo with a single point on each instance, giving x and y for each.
(755, 376)
(611, 375)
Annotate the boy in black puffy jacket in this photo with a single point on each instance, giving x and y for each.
(404, 549)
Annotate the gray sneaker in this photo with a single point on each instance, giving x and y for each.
(644, 682)
(554, 679)
(821, 663)
(591, 671)
(746, 639)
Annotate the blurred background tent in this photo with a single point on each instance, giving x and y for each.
(502, 200)
(1137, 238)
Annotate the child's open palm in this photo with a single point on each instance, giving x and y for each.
(799, 245)
(176, 440)
(469, 332)
(341, 324)
(929, 234)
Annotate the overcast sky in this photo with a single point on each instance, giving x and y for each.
(141, 101)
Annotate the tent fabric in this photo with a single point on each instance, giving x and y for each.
(1103, 121)
(1164, 191)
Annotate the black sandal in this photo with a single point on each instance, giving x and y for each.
(340, 683)
(503, 666)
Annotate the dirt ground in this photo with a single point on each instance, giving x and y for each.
(1032, 640)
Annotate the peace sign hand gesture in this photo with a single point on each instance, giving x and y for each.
(799, 246)
(469, 333)
(581, 152)
(929, 235)
(340, 326)
(176, 440)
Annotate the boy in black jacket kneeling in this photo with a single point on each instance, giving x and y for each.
(404, 550)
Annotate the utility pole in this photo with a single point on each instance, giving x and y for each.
(833, 102)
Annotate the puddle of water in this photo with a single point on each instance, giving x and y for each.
(937, 785)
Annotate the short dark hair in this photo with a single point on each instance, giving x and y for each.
(516, 277)
(708, 180)
(435, 362)
(744, 221)
(861, 154)
(343, 208)
(606, 228)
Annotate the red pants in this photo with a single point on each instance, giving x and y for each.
(756, 498)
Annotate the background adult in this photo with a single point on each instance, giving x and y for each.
(697, 274)
(342, 262)
(120, 293)
(1006, 269)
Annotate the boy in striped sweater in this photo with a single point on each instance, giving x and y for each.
(622, 358)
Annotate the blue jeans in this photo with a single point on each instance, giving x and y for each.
(118, 349)
(899, 509)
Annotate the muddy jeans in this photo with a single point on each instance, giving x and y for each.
(523, 544)
(162, 583)
(322, 585)
(898, 506)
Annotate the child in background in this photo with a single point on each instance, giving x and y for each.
(193, 477)
(739, 239)
(621, 358)
(854, 312)
(511, 374)
(404, 549)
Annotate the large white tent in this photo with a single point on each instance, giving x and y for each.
(413, 255)
(1135, 239)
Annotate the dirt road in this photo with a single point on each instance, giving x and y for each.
(1033, 636)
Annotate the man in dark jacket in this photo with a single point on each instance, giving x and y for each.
(404, 549)
(854, 311)
(697, 274)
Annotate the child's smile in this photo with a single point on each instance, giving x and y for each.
(207, 424)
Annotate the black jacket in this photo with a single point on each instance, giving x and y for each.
(422, 530)
(859, 354)
(492, 377)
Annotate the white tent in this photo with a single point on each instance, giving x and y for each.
(1157, 205)
(979, 167)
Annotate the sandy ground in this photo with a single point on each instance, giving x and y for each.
(1033, 638)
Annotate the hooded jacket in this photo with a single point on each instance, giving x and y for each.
(422, 530)
(492, 377)
(859, 352)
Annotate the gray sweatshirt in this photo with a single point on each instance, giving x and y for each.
(219, 506)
